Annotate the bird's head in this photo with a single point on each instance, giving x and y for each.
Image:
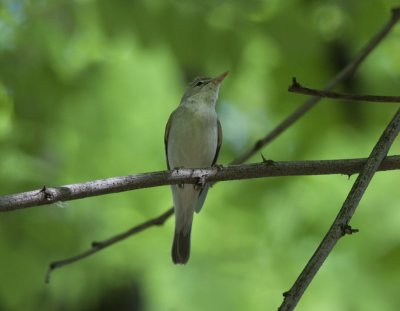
(204, 89)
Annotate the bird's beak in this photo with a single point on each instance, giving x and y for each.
(221, 77)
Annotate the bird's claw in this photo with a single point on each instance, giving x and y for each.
(177, 169)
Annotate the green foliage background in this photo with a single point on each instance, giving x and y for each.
(86, 88)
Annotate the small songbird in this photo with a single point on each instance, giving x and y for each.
(193, 138)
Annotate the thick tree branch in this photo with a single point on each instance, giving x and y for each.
(297, 88)
(344, 74)
(347, 167)
(49, 195)
(98, 246)
(340, 226)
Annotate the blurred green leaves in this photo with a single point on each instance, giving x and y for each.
(86, 88)
(6, 112)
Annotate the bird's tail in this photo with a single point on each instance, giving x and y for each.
(181, 247)
(184, 201)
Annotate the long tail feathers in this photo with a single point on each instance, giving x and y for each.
(181, 246)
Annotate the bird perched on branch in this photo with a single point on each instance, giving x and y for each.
(193, 138)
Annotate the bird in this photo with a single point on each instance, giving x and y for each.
(193, 138)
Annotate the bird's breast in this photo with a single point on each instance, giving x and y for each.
(193, 138)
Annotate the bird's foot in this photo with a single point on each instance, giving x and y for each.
(177, 169)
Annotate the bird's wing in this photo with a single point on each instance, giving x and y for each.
(167, 128)
(219, 142)
(204, 190)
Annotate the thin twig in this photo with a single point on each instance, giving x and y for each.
(340, 226)
(49, 195)
(297, 88)
(98, 246)
(344, 74)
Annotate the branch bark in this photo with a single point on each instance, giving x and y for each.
(344, 74)
(49, 195)
(340, 226)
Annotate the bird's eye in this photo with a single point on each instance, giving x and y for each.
(199, 83)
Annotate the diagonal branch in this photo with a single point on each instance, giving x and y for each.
(340, 226)
(344, 74)
(98, 246)
(49, 195)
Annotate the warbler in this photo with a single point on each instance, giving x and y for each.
(193, 138)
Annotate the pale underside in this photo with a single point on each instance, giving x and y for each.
(193, 137)
(192, 141)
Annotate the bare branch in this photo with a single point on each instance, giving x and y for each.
(347, 167)
(49, 195)
(344, 74)
(98, 246)
(340, 226)
(297, 88)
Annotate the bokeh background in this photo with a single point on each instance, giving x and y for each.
(86, 88)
